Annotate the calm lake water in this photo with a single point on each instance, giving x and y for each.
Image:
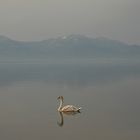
(109, 94)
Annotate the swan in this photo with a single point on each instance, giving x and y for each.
(67, 108)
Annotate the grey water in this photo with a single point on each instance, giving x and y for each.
(109, 94)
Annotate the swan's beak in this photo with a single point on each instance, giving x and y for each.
(58, 97)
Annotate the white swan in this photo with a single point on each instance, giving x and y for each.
(67, 108)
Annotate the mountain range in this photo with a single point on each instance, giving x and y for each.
(72, 46)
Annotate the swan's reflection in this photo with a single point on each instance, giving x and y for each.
(61, 121)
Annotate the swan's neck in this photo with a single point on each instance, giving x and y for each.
(61, 104)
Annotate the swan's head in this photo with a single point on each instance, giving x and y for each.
(60, 97)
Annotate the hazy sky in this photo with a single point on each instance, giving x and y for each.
(42, 19)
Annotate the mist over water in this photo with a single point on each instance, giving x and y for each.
(107, 92)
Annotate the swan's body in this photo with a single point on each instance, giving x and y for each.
(67, 108)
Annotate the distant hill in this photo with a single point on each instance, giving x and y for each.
(72, 46)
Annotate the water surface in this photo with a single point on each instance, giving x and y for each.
(107, 92)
